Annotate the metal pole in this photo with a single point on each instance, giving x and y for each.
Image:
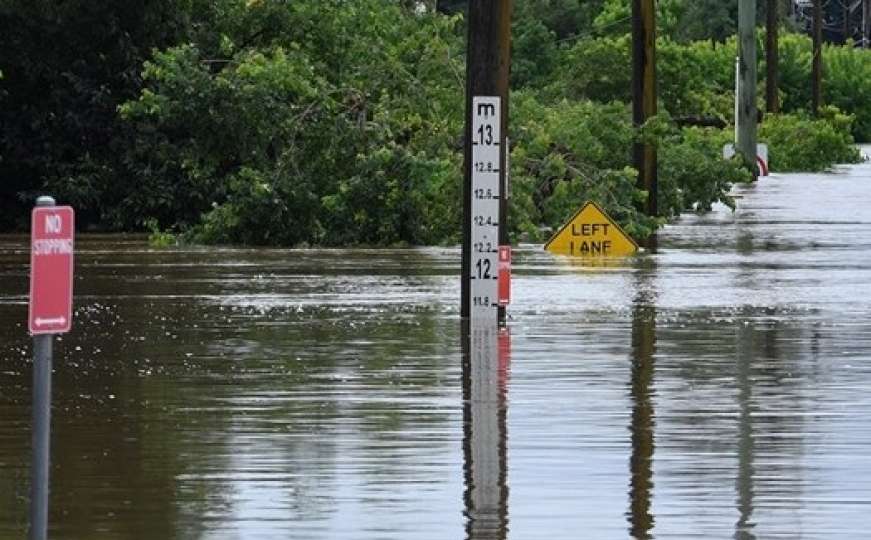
(817, 74)
(644, 95)
(41, 436)
(41, 428)
(772, 101)
(747, 70)
(487, 69)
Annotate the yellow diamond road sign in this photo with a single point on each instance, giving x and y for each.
(591, 233)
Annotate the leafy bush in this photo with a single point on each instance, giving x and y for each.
(293, 142)
(158, 238)
(692, 174)
(797, 143)
(573, 152)
(566, 154)
(336, 122)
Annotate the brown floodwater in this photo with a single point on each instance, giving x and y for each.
(718, 388)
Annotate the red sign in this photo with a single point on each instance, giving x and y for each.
(504, 275)
(51, 270)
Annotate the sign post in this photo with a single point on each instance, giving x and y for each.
(50, 312)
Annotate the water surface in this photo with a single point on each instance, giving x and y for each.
(717, 388)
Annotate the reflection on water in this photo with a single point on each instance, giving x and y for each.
(486, 365)
(744, 482)
(642, 426)
(325, 394)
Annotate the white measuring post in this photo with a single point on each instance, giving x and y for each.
(486, 194)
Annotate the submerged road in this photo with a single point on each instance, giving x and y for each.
(717, 388)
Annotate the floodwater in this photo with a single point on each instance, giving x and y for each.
(718, 388)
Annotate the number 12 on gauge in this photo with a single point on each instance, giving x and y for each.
(486, 194)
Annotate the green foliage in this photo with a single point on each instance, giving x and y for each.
(333, 122)
(535, 53)
(566, 154)
(158, 238)
(713, 20)
(330, 145)
(565, 18)
(693, 78)
(797, 143)
(692, 174)
(572, 152)
(67, 65)
(846, 72)
(697, 78)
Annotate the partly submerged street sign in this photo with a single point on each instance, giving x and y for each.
(761, 157)
(591, 233)
(51, 270)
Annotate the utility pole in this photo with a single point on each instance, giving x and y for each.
(846, 30)
(817, 72)
(487, 69)
(772, 100)
(746, 145)
(644, 95)
(866, 22)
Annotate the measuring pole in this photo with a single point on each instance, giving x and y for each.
(484, 186)
(746, 145)
(817, 72)
(772, 100)
(644, 95)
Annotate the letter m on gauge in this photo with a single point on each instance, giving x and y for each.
(51, 270)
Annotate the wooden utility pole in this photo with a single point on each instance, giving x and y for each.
(644, 95)
(772, 100)
(746, 144)
(817, 72)
(487, 69)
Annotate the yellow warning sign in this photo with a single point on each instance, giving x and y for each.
(591, 233)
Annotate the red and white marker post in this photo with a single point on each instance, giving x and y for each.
(50, 312)
(504, 275)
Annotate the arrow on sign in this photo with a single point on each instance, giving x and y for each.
(56, 321)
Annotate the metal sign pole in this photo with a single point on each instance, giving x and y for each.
(42, 345)
(41, 436)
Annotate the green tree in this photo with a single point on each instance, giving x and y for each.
(67, 66)
(344, 119)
